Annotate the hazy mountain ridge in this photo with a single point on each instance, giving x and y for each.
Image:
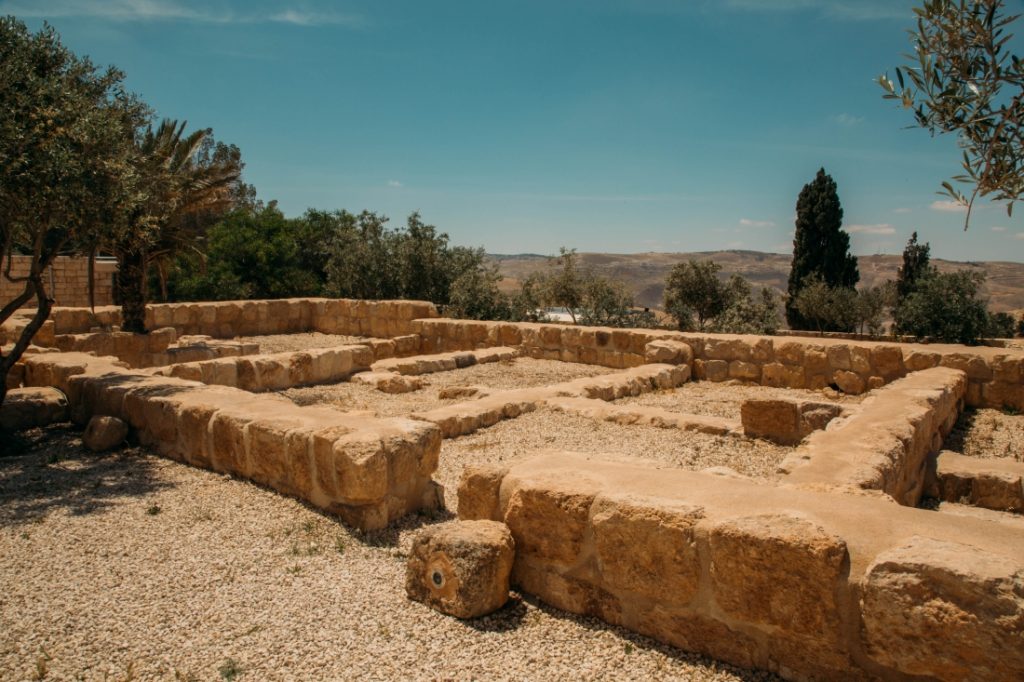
(645, 273)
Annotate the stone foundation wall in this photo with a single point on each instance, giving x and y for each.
(228, 319)
(888, 443)
(67, 281)
(370, 471)
(276, 371)
(995, 376)
(807, 584)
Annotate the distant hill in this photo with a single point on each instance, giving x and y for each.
(645, 273)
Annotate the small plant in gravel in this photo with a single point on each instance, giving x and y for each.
(229, 670)
(153, 510)
(339, 545)
(187, 676)
(295, 570)
(628, 648)
(42, 665)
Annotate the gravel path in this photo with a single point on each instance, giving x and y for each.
(134, 567)
(519, 373)
(988, 433)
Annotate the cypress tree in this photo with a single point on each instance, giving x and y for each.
(916, 266)
(820, 246)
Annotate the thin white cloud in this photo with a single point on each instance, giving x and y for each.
(847, 120)
(747, 222)
(300, 18)
(901, 210)
(947, 206)
(881, 228)
(998, 228)
(1019, 235)
(164, 10)
(394, 183)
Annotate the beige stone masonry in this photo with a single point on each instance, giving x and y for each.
(785, 421)
(650, 416)
(807, 584)
(466, 417)
(444, 362)
(992, 483)
(461, 568)
(995, 375)
(886, 443)
(388, 382)
(277, 371)
(160, 347)
(370, 471)
(24, 408)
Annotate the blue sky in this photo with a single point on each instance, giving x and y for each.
(521, 126)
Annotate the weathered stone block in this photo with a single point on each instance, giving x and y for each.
(667, 351)
(104, 433)
(548, 523)
(775, 420)
(945, 610)
(746, 371)
(479, 489)
(461, 568)
(716, 370)
(25, 408)
(848, 382)
(647, 547)
(780, 571)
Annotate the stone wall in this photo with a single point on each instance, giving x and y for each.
(67, 281)
(995, 376)
(888, 443)
(370, 471)
(808, 584)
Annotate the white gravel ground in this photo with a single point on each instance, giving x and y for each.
(134, 567)
(988, 433)
(723, 399)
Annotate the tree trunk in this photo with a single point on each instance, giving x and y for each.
(131, 288)
(43, 305)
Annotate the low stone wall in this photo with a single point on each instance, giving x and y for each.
(67, 281)
(228, 319)
(370, 471)
(158, 348)
(995, 376)
(992, 483)
(277, 371)
(884, 445)
(807, 584)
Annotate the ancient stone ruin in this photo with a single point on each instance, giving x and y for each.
(829, 571)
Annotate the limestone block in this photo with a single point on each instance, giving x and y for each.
(975, 367)
(104, 433)
(775, 420)
(780, 571)
(662, 549)
(782, 376)
(790, 353)
(887, 362)
(816, 361)
(848, 382)
(388, 382)
(548, 522)
(875, 382)
(916, 360)
(747, 371)
(25, 408)
(994, 483)
(461, 568)
(479, 489)
(456, 392)
(727, 349)
(839, 356)
(860, 360)
(945, 610)
(716, 370)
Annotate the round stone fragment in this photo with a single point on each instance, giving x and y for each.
(104, 433)
(461, 568)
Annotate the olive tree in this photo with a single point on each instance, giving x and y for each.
(962, 79)
(66, 131)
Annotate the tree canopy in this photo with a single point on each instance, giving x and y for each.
(821, 248)
(964, 81)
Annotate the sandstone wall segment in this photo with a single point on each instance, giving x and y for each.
(884, 445)
(995, 376)
(804, 583)
(370, 471)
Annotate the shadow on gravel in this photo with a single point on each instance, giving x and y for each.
(43, 470)
(506, 619)
(955, 440)
(390, 536)
(632, 641)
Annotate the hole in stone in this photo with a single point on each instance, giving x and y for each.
(437, 578)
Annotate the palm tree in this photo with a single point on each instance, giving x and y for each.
(187, 183)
